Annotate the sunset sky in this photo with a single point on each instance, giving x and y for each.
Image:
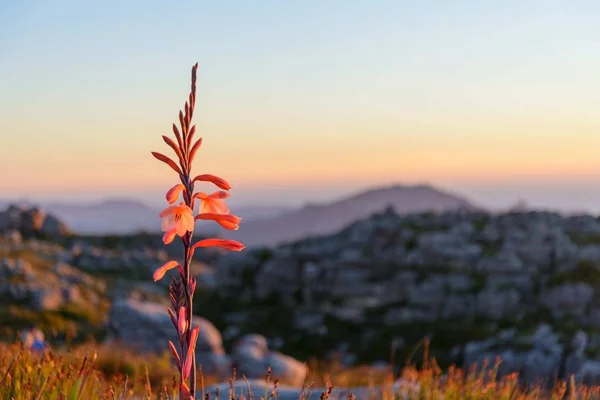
(304, 100)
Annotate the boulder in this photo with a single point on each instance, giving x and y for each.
(146, 326)
(252, 359)
(53, 227)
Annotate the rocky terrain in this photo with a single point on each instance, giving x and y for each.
(32, 221)
(321, 219)
(523, 286)
(519, 286)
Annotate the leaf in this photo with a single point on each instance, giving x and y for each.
(167, 160)
(195, 149)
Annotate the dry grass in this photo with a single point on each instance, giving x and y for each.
(97, 372)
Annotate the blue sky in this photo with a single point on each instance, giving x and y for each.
(305, 100)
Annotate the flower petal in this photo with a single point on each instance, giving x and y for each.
(160, 272)
(227, 221)
(219, 195)
(188, 221)
(169, 236)
(226, 244)
(180, 229)
(167, 223)
(168, 211)
(219, 182)
(214, 206)
(173, 193)
(232, 226)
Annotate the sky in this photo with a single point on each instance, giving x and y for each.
(304, 100)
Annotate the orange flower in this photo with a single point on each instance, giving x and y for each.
(213, 203)
(173, 193)
(220, 182)
(227, 221)
(160, 272)
(226, 244)
(177, 220)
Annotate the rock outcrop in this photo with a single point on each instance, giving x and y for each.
(456, 277)
(252, 359)
(31, 221)
(146, 326)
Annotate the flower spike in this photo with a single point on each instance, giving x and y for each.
(178, 220)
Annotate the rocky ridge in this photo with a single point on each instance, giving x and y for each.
(457, 278)
(520, 286)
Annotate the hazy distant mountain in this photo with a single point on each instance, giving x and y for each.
(261, 224)
(109, 216)
(121, 216)
(329, 218)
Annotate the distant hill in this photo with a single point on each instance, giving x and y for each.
(125, 216)
(109, 216)
(329, 218)
(261, 224)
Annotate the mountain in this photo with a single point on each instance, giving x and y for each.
(114, 216)
(261, 224)
(125, 216)
(328, 218)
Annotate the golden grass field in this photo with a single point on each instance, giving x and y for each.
(98, 372)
